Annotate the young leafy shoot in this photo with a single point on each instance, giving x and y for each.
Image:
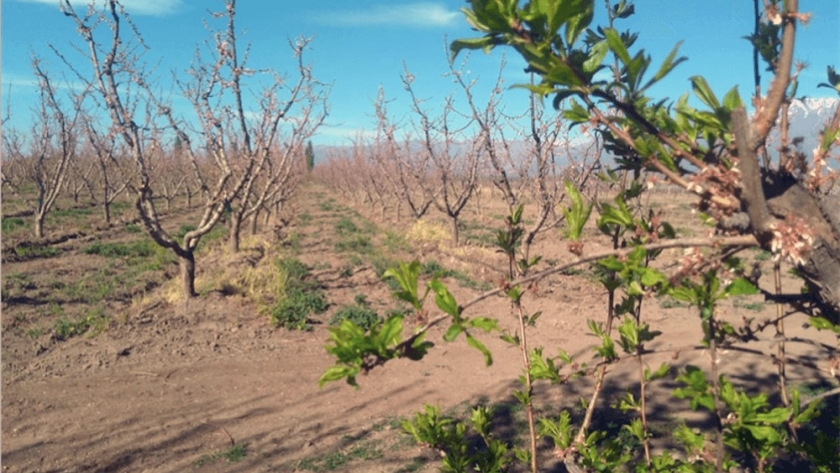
(578, 214)
(406, 275)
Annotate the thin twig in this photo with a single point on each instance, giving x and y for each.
(832, 392)
(740, 240)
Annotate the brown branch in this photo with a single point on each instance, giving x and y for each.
(832, 392)
(766, 115)
(650, 128)
(672, 176)
(752, 193)
(741, 240)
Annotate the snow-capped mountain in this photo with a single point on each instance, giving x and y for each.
(813, 107)
(808, 117)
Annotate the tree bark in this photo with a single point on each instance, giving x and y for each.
(455, 230)
(39, 224)
(821, 271)
(254, 220)
(235, 228)
(106, 212)
(268, 216)
(187, 263)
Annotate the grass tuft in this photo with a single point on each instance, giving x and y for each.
(298, 296)
(233, 455)
(10, 224)
(92, 323)
(428, 232)
(362, 316)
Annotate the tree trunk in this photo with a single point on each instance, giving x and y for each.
(187, 263)
(39, 224)
(235, 227)
(106, 212)
(821, 270)
(455, 230)
(254, 220)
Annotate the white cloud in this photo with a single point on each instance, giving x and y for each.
(30, 81)
(18, 80)
(418, 14)
(346, 133)
(133, 7)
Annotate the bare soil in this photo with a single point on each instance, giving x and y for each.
(169, 387)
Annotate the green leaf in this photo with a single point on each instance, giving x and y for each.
(829, 137)
(564, 357)
(732, 99)
(578, 23)
(444, 299)
(515, 293)
(636, 428)
(683, 293)
(821, 323)
(522, 397)
(662, 154)
(704, 92)
(607, 349)
(563, 74)
(623, 10)
(406, 276)
(629, 335)
(671, 61)
(485, 43)
(596, 57)
(543, 368)
(764, 433)
(617, 45)
(619, 215)
(512, 339)
(576, 215)
(539, 89)
(775, 416)
(475, 343)
(453, 332)
(576, 113)
(810, 413)
(636, 69)
(391, 330)
(652, 277)
(740, 287)
(339, 372)
(660, 373)
(833, 80)
(531, 321)
(485, 323)
(560, 431)
(594, 327)
(516, 215)
(627, 403)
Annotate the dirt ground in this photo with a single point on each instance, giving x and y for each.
(170, 387)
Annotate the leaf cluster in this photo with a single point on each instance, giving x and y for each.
(453, 439)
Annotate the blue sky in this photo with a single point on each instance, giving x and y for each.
(362, 44)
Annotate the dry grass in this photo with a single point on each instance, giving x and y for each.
(429, 233)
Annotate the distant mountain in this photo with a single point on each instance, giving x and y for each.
(807, 118)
